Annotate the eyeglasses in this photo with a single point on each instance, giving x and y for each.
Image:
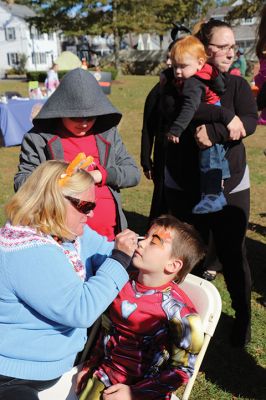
(224, 48)
(82, 206)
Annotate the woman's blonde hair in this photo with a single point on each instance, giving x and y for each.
(40, 202)
(188, 45)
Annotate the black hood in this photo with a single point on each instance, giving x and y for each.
(78, 95)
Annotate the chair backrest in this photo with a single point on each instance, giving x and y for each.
(34, 90)
(207, 301)
(33, 85)
(64, 389)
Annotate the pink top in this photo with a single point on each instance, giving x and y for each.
(260, 78)
(104, 219)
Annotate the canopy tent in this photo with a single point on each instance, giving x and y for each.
(67, 61)
(149, 44)
(140, 45)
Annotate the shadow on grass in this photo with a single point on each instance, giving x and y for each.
(257, 228)
(256, 253)
(233, 370)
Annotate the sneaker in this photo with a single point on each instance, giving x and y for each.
(241, 333)
(210, 203)
(261, 121)
(209, 275)
(262, 117)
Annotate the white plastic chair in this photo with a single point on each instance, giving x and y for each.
(64, 389)
(207, 301)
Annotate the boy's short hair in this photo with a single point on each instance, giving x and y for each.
(187, 243)
(188, 45)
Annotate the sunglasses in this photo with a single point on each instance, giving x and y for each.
(82, 206)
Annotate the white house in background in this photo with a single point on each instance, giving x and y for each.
(17, 38)
(245, 29)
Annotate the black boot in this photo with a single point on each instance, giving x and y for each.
(241, 332)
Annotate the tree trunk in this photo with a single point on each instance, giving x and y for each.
(116, 38)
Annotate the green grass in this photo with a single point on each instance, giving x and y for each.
(226, 373)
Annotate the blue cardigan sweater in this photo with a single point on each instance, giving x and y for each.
(45, 307)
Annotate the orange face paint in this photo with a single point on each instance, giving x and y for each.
(160, 235)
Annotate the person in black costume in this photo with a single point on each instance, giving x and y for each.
(152, 141)
(228, 226)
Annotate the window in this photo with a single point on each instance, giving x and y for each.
(50, 36)
(247, 21)
(10, 33)
(35, 34)
(40, 35)
(241, 43)
(38, 58)
(12, 59)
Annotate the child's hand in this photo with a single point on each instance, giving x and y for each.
(118, 392)
(202, 138)
(172, 138)
(97, 175)
(81, 380)
(236, 129)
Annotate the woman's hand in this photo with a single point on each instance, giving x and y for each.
(118, 392)
(126, 241)
(148, 174)
(202, 138)
(97, 175)
(172, 138)
(236, 129)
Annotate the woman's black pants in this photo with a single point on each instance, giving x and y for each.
(228, 228)
(22, 389)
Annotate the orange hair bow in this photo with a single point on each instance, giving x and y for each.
(79, 162)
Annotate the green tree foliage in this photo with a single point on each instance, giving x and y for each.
(123, 16)
(22, 2)
(247, 9)
(114, 16)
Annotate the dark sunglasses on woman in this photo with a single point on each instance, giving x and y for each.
(82, 206)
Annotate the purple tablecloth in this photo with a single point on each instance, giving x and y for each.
(15, 119)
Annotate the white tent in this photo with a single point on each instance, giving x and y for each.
(140, 45)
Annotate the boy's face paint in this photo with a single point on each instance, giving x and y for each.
(154, 251)
(160, 236)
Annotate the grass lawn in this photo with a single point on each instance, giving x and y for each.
(226, 373)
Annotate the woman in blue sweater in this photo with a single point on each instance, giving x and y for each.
(56, 277)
